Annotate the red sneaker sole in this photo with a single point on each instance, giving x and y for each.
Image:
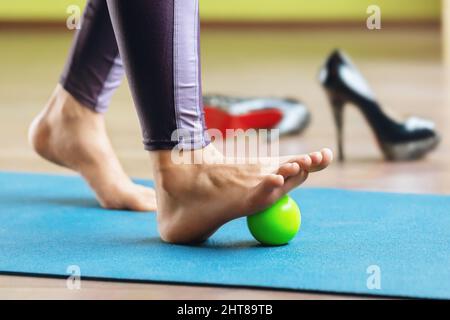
(260, 119)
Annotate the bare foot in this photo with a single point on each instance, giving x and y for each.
(194, 200)
(75, 137)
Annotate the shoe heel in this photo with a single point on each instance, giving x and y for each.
(398, 141)
(337, 107)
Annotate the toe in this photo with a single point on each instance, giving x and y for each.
(289, 169)
(266, 192)
(294, 182)
(272, 181)
(327, 155)
(273, 187)
(320, 160)
(316, 159)
(304, 161)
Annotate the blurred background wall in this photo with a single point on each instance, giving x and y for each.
(230, 11)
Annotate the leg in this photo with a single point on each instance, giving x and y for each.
(70, 131)
(164, 78)
(159, 43)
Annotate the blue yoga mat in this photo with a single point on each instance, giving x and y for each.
(350, 242)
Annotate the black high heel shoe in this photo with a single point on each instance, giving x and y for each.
(344, 84)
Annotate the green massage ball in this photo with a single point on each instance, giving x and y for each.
(278, 224)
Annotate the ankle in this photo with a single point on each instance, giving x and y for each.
(63, 104)
(171, 180)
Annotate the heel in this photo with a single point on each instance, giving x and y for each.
(337, 106)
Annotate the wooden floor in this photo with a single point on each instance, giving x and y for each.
(403, 67)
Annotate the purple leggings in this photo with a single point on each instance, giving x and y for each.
(156, 42)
